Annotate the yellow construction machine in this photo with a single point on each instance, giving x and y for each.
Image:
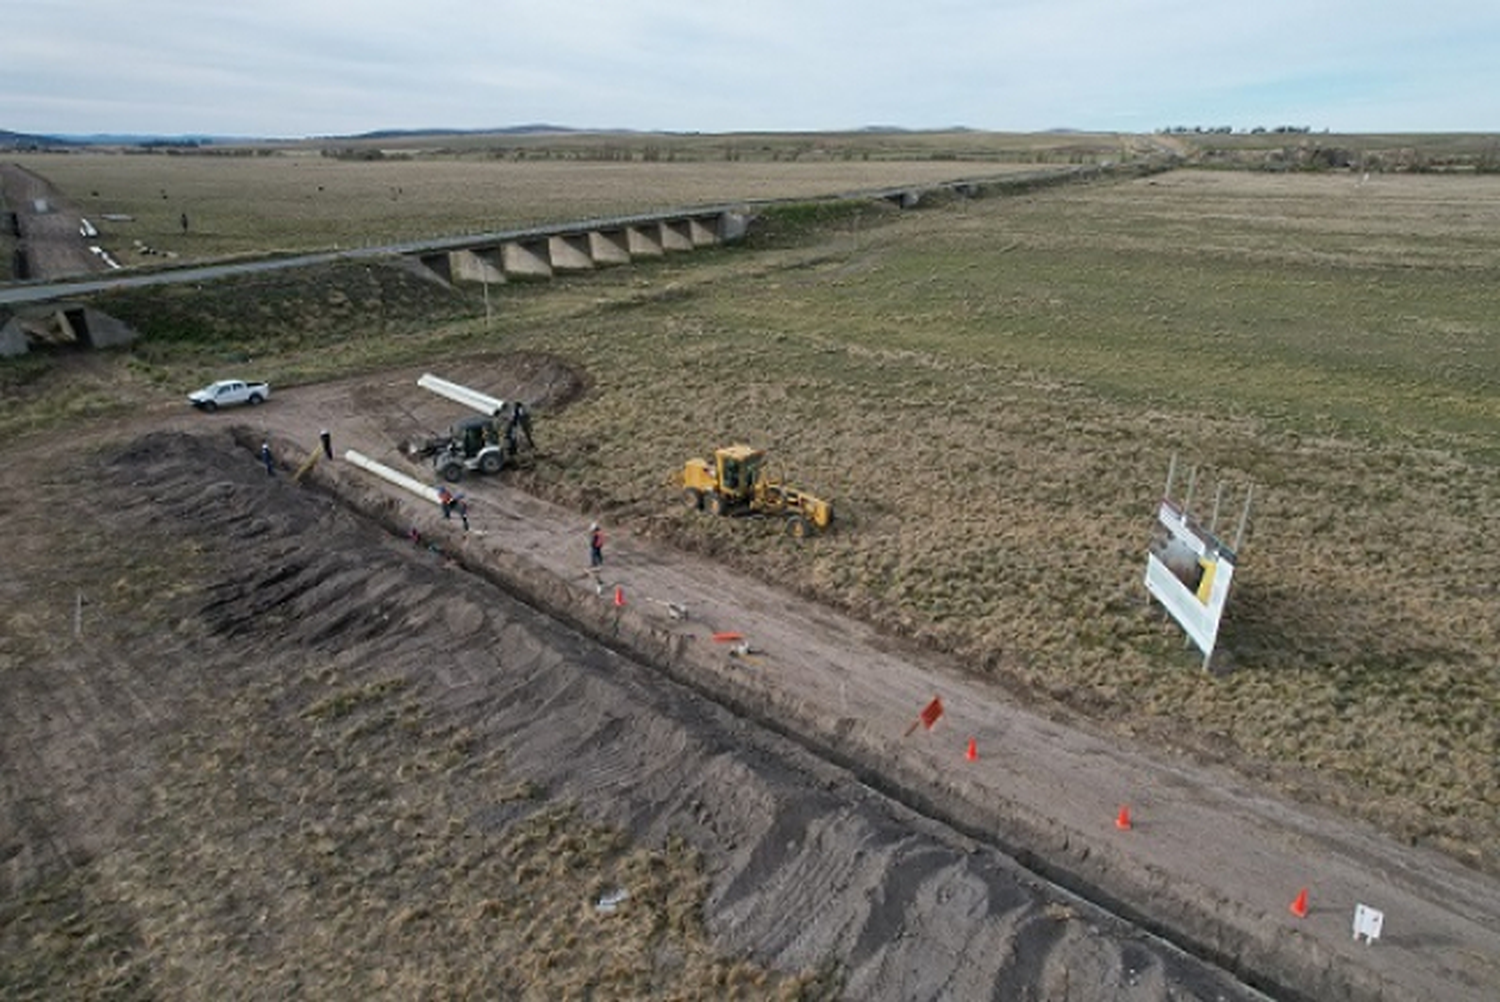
(737, 483)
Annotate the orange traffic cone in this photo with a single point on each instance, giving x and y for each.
(1122, 820)
(973, 753)
(619, 597)
(1299, 904)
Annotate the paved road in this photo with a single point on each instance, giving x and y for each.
(46, 291)
(42, 292)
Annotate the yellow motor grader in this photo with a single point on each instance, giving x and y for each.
(737, 483)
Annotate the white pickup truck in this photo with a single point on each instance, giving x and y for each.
(227, 393)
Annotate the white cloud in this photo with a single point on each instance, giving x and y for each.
(274, 67)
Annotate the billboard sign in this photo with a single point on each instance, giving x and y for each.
(1189, 570)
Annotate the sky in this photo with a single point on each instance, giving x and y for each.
(302, 68)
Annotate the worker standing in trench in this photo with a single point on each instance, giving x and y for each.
(451, 503)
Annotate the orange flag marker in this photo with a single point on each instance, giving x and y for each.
(973, 753)
(928, 716)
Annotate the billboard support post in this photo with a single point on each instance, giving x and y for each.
(1239, 535)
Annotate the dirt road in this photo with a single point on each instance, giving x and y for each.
(49, 224)
(829, 830)
(1211, 858)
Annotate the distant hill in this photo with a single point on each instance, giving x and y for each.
(30, 141)
(510, 130)
(26, 141)
(133, 139)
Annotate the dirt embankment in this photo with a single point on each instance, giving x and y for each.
(272, 704)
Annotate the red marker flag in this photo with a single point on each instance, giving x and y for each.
(928, 716)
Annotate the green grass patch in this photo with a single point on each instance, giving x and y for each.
(990, 393)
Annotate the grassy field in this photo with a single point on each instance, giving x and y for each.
(991, 392)
(765, 147)
(291, 200)
(1461, 152)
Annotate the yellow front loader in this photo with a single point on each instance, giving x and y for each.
(736, 483)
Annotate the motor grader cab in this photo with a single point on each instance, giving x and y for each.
(737, 483)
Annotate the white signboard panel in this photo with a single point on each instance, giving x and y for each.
(1188, 570)
(1368, 923)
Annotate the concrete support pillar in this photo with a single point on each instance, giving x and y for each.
(609, 247)
(570, 252)
(104, 331)
(65, 329)
(477, 265)
(676, 235)
(733, 226)
(704, 231)
(438, 264)
(12, 339)
(526, 260)
(643, 241)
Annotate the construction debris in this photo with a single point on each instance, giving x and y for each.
(675, 610)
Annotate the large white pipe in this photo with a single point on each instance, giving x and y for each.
(481, 402)
(396, 477)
